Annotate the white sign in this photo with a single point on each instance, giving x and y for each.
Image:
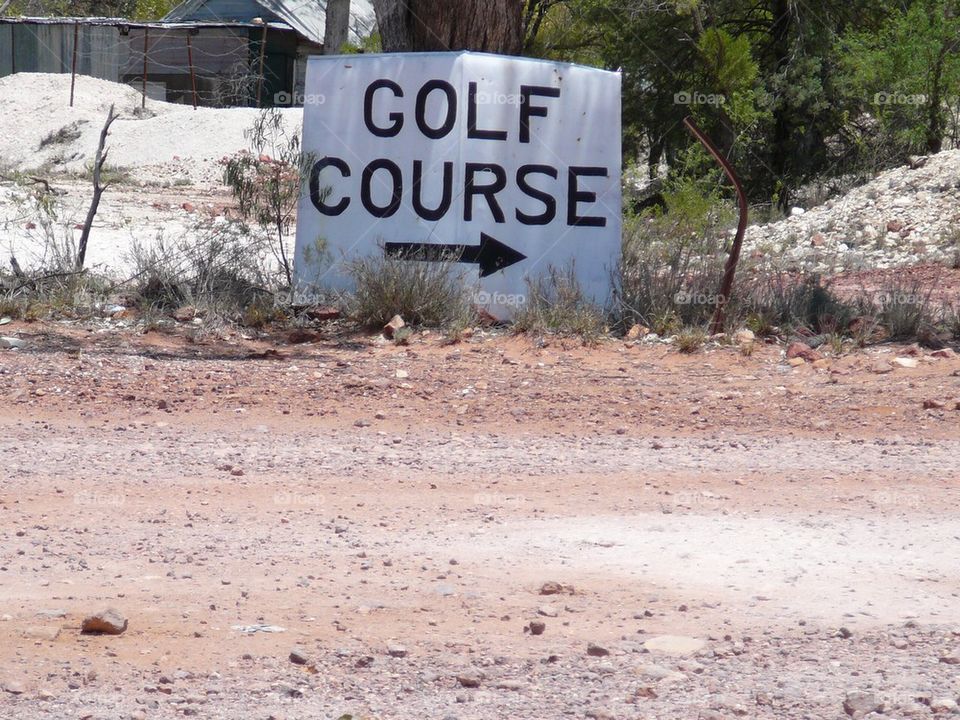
(510, 164)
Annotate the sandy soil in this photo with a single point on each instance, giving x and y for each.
(128, 217)
(800, 524)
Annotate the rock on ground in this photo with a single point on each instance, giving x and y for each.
(105, 622)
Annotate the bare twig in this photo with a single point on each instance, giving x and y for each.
(41, 181)
(47, 188)
(32, 282)
(98, 188)
(729, 273)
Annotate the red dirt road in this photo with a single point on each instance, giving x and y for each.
(362, 496)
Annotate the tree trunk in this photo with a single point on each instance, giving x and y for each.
(98, 188)
(780, 147)
(424, 25)
(337, 26)
(391, 19)
(935, 120)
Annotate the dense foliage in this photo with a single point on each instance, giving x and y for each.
(136, 9)
(801, 95)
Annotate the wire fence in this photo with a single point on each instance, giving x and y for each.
(215, 65)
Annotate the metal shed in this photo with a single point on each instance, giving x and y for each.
(234, 52)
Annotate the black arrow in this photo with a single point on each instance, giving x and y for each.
(491, 254)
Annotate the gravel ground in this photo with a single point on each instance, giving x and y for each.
(791, 532)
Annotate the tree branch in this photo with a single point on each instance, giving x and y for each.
(98, 189)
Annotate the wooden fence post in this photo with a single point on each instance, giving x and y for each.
(146, 39)
(73, 71)
(193, 75)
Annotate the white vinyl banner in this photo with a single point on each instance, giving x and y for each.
(509, 165)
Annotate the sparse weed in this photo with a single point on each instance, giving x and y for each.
(10, 306)
(457, 330)
(690, 340)
(217, 267)
(951, 316)
(665, 322)
(904, 308)
(555, 304)
(672, 262)
(865, 328)
(788, 302)
(260, 314)
(66, 134)
(153, 319)
(836, 341)
(668, 275)
(430, 294)
(761, 325)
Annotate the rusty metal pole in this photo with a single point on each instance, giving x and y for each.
(263, 52)
(193, 75)
(146, 40)
(73, 72)
(730, 272)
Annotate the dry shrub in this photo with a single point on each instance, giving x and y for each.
(555, 304)
(429, 294)
(217, 267)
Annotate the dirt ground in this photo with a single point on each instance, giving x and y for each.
(730, 536)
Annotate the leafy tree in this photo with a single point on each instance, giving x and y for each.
(905, 77)
(135, 9)
(266, 182)
(153, 9)
(773, 63)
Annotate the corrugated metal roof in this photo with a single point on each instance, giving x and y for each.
(305, 16)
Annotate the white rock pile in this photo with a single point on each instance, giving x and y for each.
(164, 143)
(905, 216)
